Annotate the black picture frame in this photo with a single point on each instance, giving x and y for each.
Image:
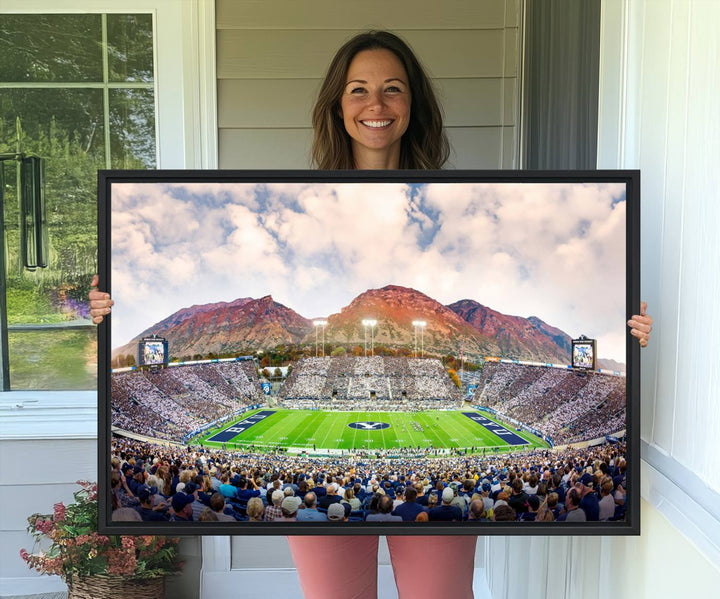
(630, 179)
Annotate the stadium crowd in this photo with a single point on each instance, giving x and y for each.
(369, 405)
(189, 484)
(565, 405)
(169, 403)
(361, 378)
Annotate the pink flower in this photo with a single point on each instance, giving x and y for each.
(24, 555)
(43, 526)
(128, 543)
(121, 562)
(59, 512)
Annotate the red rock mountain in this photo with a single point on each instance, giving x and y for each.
(395, 308)
(242, 324)
(251, 324)
(515, 335)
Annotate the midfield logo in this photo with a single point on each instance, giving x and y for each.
(369, 426)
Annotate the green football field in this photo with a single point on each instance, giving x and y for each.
(313, 429)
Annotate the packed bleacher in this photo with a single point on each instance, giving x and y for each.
(169, 403)
(200, 484)
(347, 381)
(566, 405)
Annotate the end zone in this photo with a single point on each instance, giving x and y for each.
(505, 434)
(239, 427)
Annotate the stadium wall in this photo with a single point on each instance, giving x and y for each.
(137, 437)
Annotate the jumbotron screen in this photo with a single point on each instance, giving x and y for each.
(365, 352)
(152, 352)
(583, 354)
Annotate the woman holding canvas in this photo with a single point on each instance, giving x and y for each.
(377, 110)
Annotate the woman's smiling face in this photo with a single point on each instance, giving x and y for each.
(375, 108)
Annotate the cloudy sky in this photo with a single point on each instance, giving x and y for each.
(556, 251)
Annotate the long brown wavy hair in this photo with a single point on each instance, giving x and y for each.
(424, 145)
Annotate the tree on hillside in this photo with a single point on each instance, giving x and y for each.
(455, 378)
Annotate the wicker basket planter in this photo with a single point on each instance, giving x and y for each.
(116, 587)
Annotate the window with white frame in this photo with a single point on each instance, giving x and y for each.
(77, 91)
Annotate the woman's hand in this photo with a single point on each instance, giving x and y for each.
(641, 325)
(100, 302)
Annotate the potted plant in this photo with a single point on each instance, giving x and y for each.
(67, 544)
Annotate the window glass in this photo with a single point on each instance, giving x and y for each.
(54, 359)
(76, 129)
(130, 44)
(132, 128)
(36, 48)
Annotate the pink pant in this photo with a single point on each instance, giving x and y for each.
(332, 566)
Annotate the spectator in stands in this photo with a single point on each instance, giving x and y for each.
(214, 480)
(217, 503)
(409, 509)
(226, 489)
(531, 486)
(384, 509)
(336, 513)
(476, 511)
(182, 508)
(274, 509)
(421, 498)
(121, 494)
(502, 499)
(147, 511)
(330, 497)
(310, 512)
(125, 514)
(302, 489)
(485, 490)
(589, 499)
(351, 500)
(197, 507)
(245, 493)
(557, 487)
(446, 512)
(207, 515)
(289, 509)
(519, 497)
(546, 511)
(458, 501)
(504, 513)
(606, 505)
(572, 513)
(529, 514)
(255, 509)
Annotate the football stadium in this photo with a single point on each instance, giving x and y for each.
(357, 428)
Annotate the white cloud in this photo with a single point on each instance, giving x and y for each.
(554, 251)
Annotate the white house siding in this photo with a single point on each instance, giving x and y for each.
(271, 57)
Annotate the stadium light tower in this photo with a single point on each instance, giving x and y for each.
(420, 324)
(320, 324)
(370, 322)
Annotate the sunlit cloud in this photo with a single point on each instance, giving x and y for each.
(548, 250)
